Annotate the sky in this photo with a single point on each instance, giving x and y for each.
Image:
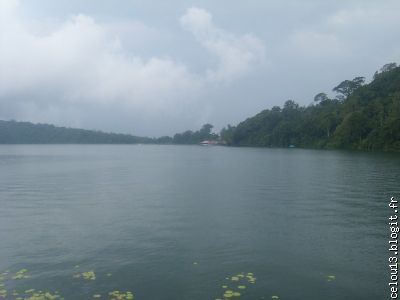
(154, 68)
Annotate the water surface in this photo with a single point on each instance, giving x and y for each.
(172, 222)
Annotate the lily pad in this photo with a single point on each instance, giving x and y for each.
(331, 277)
(117, 295)
(89, 275)
(21, 274)
(3, 293)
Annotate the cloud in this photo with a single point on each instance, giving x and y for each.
(83, 63)
(355, 31)
(80, 62)
(236, 55)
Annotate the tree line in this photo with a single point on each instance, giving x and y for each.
(12, 132)
(360, 116)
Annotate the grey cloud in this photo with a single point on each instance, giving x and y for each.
(157, 68)
(80, 63)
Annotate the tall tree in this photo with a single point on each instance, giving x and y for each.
(320, 97)
(347, 87)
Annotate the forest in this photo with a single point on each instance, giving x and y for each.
(360, 117)
(12, 132)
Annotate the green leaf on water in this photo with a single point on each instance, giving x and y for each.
(3, 293)
(21, 274)
(331, 277)
(89, 275)
(117, 295)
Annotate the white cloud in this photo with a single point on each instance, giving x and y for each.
(108, 70)
(82, 63)
(349, 33)
(85, 62)
(237, 55)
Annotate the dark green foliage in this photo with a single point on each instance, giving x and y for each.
(190, 137)
(321, 97)
(12, 132)
(347, 87)
(227, 134)
(362, 117)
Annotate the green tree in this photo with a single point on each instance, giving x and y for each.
(320, 97)
(347, 87)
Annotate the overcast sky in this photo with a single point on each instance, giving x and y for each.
(160, 67)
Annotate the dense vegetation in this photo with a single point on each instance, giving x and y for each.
(190, 137)
(361, 116)
(12, 132)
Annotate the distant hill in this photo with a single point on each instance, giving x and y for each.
(362, 117)
(12, 132)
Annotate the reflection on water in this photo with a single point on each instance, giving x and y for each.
(179, 222)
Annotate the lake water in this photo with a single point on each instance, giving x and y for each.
(173, 222)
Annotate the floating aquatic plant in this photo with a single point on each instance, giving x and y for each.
(21, 274)
(3, 293)
(43, 296)
(117, 295)
(239, 280)
(331, 277)
(228, 294)
(89, 275)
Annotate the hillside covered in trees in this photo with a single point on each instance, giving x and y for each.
(12, 132)
(361, 116)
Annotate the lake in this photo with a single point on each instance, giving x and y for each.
(191, 222)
